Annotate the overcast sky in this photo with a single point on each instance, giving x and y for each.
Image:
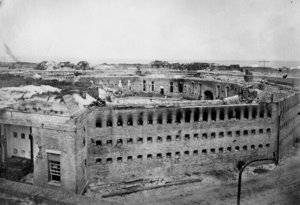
(152, 29)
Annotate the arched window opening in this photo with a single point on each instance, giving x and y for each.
(119, 142)
(98, 122)
(254, 112)
(208, 95)
(192, 88)
(169, 117)
(171, 87)
(180, 87)
(109, 142)
(230, 113)
(205, 115)
(140, 140)
(237, 113)
(261, 112)
(196, 114)
(218, 91)
(152, 86)
(150, 118)
(159, 139)
(227, 91)
(169, 138)
(178, 116)
(109, 122)
(144, 85)
(159, 118)
(120, 121)
(187, 115)
(269, 111)
(140, 119)
(213, 115)
(130, 121)
(200, 92)
(246, 113)
(222, 114)
(169, 155)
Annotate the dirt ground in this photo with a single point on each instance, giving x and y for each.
(278, 186)
(266, 185)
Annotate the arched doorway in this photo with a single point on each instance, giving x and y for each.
(208, 95)
(162, 90)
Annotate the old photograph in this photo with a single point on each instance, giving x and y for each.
(150, 102)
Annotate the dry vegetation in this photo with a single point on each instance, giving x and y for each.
(10, 80)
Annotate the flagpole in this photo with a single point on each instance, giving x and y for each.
(9, 52)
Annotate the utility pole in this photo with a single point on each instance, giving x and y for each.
(275, 159)
(241, 172)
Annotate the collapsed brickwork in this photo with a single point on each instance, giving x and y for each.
(188, 88)
(71, 146)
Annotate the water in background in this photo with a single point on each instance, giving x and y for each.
(94, 61)
(274, 64)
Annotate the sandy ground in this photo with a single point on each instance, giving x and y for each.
(278, 186)
(281, 186)
(10, 95)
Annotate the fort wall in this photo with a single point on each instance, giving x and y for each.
(126, 144)
(187, 88)
(18, 141)
(52, 136)
(288, 118)
(58, 143)
(114, 144)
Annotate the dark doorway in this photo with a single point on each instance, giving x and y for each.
(180, 87)
(31, 148)
(162, 91)
(208, 95)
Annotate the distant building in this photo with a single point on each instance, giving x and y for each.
(159, 64)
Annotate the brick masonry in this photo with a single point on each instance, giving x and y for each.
(116, 144)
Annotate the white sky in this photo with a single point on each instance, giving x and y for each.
(152, 29)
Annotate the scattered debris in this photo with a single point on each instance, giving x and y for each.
(98, 103)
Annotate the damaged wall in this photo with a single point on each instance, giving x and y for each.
(206, 138)
(63, 136)
(18, 141)
(186, 88)
(288, 112)
(54, 142)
